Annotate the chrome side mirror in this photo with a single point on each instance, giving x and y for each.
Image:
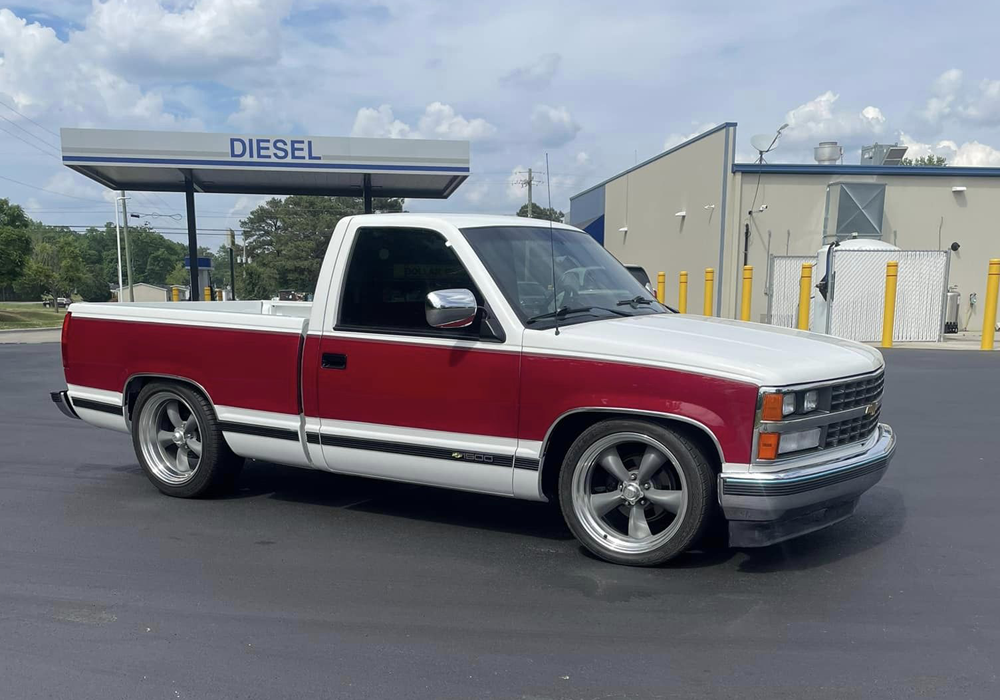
(451, 308)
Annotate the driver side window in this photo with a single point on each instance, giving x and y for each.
(389, 274)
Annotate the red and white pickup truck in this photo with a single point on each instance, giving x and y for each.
(503, 356)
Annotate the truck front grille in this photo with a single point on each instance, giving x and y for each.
(859, 392)
(852, 430)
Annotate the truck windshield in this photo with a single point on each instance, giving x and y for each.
(590, 284)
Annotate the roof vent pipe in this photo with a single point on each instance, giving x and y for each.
(828, 152)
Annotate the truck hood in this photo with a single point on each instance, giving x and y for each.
(752, 352)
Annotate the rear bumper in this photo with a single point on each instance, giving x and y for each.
(61, 400)
(764, 508)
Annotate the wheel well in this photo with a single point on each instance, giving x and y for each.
(571, 426)
(135, 386)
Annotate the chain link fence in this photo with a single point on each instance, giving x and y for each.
(857, 298)
(782, 287)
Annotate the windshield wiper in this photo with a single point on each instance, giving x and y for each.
(635, 301)
(565, 310)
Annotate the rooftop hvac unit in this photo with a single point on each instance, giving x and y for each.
(828, 152)
(853, 210)
(883, 154)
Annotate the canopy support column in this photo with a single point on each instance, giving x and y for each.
(192, 236)
(367, 193)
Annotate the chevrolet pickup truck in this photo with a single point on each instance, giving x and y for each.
(499, 355)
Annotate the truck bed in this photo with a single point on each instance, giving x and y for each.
(243, 354)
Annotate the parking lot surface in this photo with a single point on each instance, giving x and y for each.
(306, 584)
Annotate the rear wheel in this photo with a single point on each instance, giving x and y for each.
(634, 492)
(179, 444)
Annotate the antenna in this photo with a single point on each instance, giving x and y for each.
(552, 244)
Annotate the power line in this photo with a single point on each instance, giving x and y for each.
(29, 119)
(43, 189)
(22, 140)
(18, 126)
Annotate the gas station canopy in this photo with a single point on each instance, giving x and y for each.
(166, 161)
(160, 161)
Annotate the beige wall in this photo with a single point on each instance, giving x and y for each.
(921, 213)
(686, 180)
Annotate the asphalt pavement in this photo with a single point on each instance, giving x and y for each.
(305, 584)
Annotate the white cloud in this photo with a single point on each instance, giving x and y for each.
(553, 126)
(675, 139)
(41, 74)
(259, 113)
(818, 120)
(952, 99)
(970, 153)
(537, 74)
(379, 123)
(207, 36)
(476, 193)
(438, 121)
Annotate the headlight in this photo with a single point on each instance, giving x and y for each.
(777, 406)
(793, 442)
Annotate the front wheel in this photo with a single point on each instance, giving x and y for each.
(179, 444)
(634, 492)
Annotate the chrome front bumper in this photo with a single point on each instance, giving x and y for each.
(764, 508)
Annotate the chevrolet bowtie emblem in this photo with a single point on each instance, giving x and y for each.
(871, 409)
(457, 455)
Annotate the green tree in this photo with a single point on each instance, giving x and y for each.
(15, 251)
(93, 288)
(933, 160)
(537, 212)
(159, 265)
(37, 280)
(179, 276)
(12, 215)
(286, 240)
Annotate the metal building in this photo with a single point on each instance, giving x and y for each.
(693, 207)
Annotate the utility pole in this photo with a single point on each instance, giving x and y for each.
(118, 249)
(232, 263)
(528, 182)
(128, 255)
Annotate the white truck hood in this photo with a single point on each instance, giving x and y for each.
(751, 352)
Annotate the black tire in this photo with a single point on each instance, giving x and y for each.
(686, 467)
(217, 466)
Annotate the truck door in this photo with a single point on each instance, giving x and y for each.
(397, 398)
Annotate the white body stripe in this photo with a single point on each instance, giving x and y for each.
(100, 419)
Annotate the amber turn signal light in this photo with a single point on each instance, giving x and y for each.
(767, 443)
(772, 407)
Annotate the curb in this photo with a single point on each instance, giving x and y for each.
(30, 330)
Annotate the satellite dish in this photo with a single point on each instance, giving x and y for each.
(763, 142)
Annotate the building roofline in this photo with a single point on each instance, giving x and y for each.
(906, 170)
(646, 162)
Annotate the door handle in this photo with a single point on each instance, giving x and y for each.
(334, 361)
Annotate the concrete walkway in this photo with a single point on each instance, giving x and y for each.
(30, 335)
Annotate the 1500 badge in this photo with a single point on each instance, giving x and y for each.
(472, 457)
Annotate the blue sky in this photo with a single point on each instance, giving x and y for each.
(594, 84)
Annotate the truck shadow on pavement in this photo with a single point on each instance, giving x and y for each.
(880, 517)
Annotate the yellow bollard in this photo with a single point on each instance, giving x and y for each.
(805, 291)
(990, 312)
(661, 286)
(709, 291)
(175, 294)
(682, 299)
(747, 292)
(218, 295)
(889, 315)
(208, 294)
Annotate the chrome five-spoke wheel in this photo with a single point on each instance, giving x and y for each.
(170, 438)
(629, 492)
(636, 491)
